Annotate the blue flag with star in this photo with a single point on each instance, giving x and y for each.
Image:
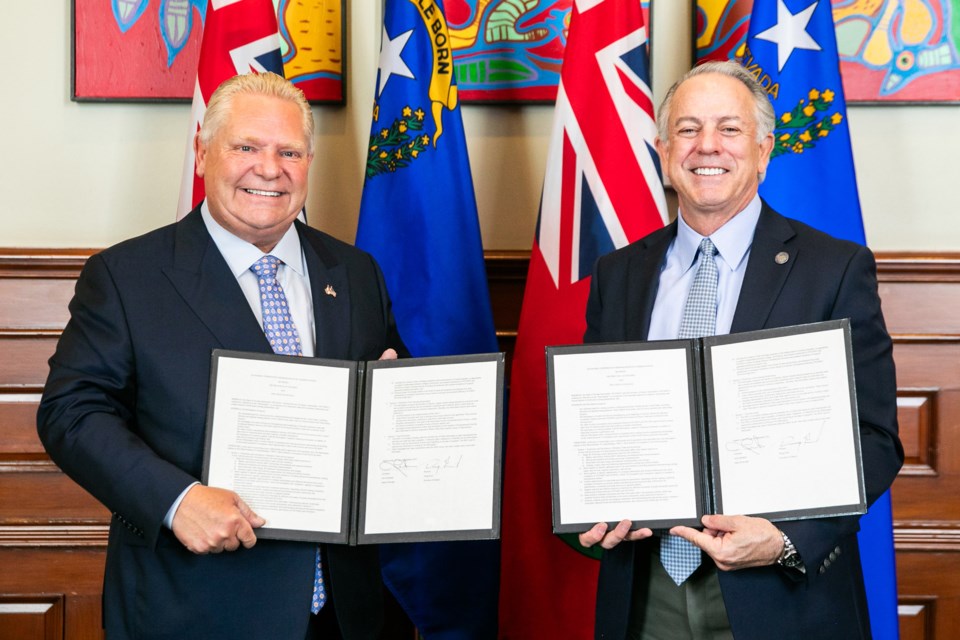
(418, 217)
(791, 50)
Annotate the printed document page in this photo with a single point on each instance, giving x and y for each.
(624, 444)
(783, 416)
(279, 440)
(431, 448)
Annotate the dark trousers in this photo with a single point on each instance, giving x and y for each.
(323, 626)
(692, 611)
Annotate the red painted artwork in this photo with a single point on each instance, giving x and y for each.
(147, 50)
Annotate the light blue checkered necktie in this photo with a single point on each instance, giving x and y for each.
(284, 339)
(679, 557)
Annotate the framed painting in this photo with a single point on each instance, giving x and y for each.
(510, 50)
(147, 50)
(891, 51)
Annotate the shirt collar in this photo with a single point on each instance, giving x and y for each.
(240, 254)
(732, 240)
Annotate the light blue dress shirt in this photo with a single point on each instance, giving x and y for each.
(733, 241)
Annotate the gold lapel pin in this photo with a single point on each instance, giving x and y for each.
(782, 257)
(330, 291)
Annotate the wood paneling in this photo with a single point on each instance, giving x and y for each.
(31, 617)
(53, 533)
(921, 304)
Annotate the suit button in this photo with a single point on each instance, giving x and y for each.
(833, 556)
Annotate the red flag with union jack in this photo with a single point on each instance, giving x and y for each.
(602, 190)
(239, 36)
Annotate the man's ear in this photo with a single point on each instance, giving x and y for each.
(199, 156)
(662, 148)
(766, 148)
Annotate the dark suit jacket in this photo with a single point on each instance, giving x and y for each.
(123, 414)
(823, 279)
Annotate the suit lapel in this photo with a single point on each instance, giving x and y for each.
(331, 297)
(204, 281)
(771, 260)
(644, 275)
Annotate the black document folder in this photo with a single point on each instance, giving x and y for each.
(359, 452)
(761, 423)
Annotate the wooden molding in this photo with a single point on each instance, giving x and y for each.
(63, 536)
(933, 537)
(43, 263)
(501, 264)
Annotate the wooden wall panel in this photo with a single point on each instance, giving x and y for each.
(54, 533)
(65, 574)
(18, 412)
(31, 617)
(25, 356)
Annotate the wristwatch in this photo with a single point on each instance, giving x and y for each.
(790, 557)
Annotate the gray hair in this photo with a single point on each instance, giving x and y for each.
(257, 84)
(763, 113)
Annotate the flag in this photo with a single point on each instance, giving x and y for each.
(602, 190)
(418, 218)
(792, 51)
(239, 36)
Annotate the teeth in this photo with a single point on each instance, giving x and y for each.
(709, 171)
(258, 192)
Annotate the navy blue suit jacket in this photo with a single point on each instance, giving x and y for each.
(823, 279)
(123, 414)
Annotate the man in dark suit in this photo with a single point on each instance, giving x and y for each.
(124, 406)
(755, 579)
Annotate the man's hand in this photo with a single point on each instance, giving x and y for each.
(736, 542)
(610, 539)
(211, 520)
(389, 354)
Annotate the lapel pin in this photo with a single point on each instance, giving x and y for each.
(330, 291)
(782, 257)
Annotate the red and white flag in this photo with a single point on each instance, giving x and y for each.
(239, 36)
(602, 190)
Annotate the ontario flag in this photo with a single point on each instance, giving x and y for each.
(239, 36)
(602, 190)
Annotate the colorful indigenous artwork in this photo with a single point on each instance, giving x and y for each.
(147, 50)
(898, 51)
(510, 50)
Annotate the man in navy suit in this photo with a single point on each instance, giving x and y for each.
(124, 406)
(756, 579)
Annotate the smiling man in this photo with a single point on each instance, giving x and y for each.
(730, 264)
(123, 410)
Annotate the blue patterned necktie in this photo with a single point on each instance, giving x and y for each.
(679, 557)
(284, 339)
(277, 324)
